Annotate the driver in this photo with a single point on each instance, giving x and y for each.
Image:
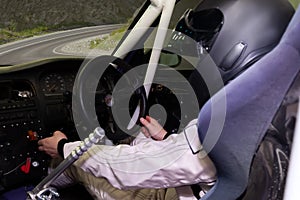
(151, 167)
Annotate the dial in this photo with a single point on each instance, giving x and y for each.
(69, 81)
(53, 84)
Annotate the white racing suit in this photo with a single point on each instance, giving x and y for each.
(175, 162)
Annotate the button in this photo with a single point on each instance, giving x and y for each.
(35, 163)
(32, 135)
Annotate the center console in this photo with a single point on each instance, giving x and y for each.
(20, 129)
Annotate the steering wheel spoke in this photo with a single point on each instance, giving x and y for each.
(92, 108)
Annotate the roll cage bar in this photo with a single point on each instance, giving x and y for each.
(154, 8)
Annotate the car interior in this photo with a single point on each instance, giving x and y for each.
(253, 43)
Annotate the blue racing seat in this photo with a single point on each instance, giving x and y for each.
(251, 100)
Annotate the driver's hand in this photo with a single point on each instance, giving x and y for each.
(49, 145)
(152, 128)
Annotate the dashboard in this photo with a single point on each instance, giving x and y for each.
(37, 101)
(33, 103)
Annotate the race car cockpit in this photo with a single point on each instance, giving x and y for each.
(172, 63)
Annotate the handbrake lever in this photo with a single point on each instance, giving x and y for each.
(42, 191)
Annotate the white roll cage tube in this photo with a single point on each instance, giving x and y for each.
(43, 191)
(157, 7)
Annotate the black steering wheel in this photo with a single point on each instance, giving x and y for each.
(84, 93)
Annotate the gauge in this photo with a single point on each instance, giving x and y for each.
(53, 84)
(69, 81)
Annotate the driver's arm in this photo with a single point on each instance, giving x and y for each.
(150, 163)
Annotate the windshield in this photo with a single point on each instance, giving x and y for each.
(36, 30)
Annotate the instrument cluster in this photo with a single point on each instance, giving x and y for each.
(56, 83)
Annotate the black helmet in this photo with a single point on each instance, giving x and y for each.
(236, 33)
(203, 26)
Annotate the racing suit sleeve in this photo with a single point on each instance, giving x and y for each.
(176, 161)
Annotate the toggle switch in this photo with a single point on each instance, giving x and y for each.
(32, 135)
(26, 168)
